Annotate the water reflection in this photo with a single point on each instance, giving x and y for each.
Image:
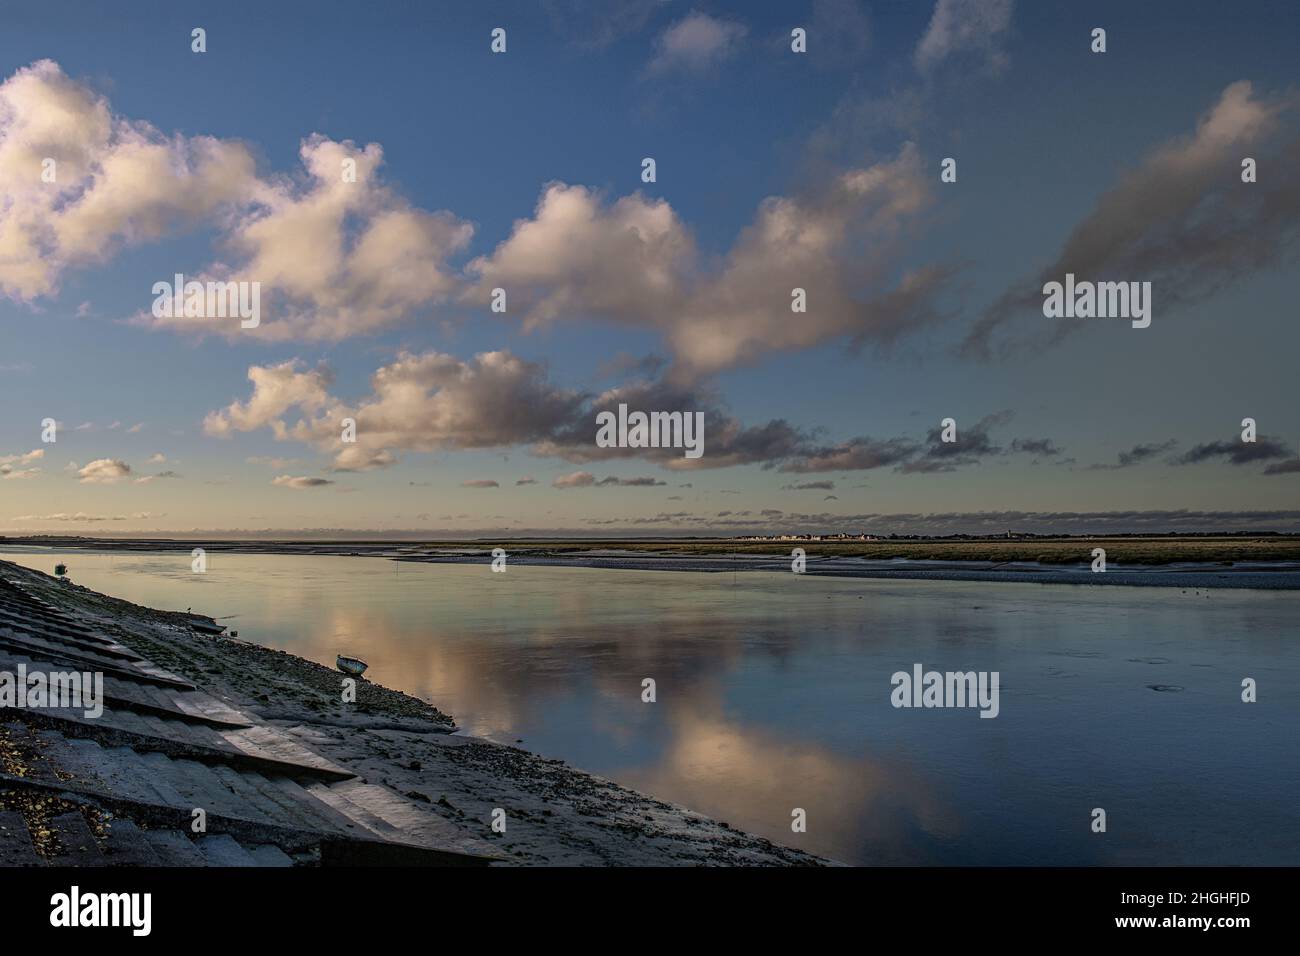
(773, 693)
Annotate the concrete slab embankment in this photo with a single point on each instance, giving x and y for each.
(121, 787)
(284, 771)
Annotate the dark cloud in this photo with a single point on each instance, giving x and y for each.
(727, 441)
(643, 482)
(431, 402)
(856, 454)
(1043, 447)
(585, 479)
(1182, 220)
(1237, 452)
(1136, 455)
(969, 522)
(971, 444)
(1289, 467)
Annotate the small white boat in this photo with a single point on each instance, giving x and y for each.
(350, 665)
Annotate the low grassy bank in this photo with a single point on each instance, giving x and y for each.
(1120, 549)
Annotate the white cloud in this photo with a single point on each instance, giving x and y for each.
(577, 254)
(104, 471)
(276, 390)
(420, 402)
(11, 466)
(84, 518)
(117, 182)
(578, 479)
(599, 25)
(334, 258)
(634, 262)
(300, 483)
(696, 43)
(434, 402)
(337, 259)
(974, 27)
(35, 454)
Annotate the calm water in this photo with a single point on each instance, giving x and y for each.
(773, 693)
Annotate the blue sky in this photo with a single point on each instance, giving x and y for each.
(1042, 130)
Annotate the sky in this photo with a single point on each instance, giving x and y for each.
(378, 171)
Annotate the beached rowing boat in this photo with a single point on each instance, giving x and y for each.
(350, 665)
(205, 625)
